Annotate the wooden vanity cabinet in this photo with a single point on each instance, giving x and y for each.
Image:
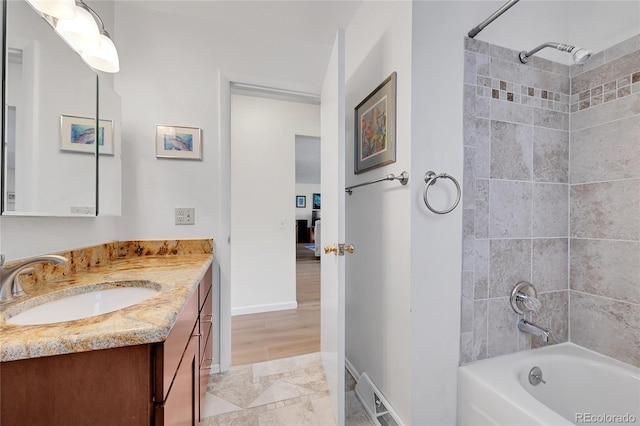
(151, 384)
(182, 369)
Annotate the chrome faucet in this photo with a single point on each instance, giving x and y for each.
(531, 328)
(8, 286)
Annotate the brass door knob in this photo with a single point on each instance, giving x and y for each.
(350, 248)
(331, 249)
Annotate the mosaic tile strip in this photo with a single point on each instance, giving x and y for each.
(607, 92)
(521, 94)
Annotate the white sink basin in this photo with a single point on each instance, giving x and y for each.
(83, 305)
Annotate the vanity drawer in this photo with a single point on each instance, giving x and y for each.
(206, 322)
(169, 353)
(205, 286)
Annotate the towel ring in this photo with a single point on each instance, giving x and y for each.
(430, 178)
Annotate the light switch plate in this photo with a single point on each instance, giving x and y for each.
(185, 215)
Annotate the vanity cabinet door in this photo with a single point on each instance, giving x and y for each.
(206, 348)
(180, 408)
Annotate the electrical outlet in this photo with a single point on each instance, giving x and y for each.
(185, 215)
(86, 211)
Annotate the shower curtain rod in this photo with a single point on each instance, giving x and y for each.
(474, 32)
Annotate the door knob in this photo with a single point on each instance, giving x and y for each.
(331, 249)
(339, 249)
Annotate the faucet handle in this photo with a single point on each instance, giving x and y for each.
(530, 302)
(524, 298)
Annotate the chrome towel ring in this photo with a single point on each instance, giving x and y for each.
(430, 178)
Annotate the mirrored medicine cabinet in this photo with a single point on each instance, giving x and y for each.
(51, 163)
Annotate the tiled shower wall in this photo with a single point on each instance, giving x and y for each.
(605, 203)
(519, 163)
(516, 197)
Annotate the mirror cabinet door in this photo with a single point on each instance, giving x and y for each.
(50, 107)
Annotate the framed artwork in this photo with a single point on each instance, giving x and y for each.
(179, 142)
(301, 201)
(316, 201)
(375, 128)
(78, 134)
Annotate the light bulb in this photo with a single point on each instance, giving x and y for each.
(79, 30)
(102, 55)
(61, 9)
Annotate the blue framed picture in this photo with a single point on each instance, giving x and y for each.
(301, 201)
(316, 201)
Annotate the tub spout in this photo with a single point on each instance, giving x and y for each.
(531, 328)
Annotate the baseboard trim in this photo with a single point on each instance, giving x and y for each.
(258, 309)
(351, 369)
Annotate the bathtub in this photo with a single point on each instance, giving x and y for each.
(582, 387)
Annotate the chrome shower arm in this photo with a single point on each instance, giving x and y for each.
(524, 55)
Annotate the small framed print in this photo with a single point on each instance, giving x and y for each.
(301, 201)
(375, 128)
(179, 142)
(78, 134)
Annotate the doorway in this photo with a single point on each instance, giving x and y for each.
(269, 319)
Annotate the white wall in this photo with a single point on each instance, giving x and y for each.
(263, 210)
(378, 341)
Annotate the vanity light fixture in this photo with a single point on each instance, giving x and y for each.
(87, 35)
(64, 9)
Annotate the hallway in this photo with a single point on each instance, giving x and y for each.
(273, 335)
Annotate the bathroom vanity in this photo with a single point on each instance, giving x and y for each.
(146, 364)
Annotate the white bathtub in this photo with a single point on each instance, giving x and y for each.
(582, 387)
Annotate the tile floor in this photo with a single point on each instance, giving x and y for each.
(284, 392)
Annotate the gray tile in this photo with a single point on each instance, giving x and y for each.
(606, 210)
(502, 327)
(554, 316)
(609, 111)
(550, 66)
(469, 178)
(477, 46)
(550, 119)
(469, 67)
(475, 129)
(594, 62)
(468, 239)
(479, 330)
(509, 263)
(469, 104)
(623, 66)
(481, 285)
(550, 81)
(550, 210)
(483, 65)
(511, 150)
(466, 312)
(506, 55)
(511, 112)
(606, 326)
(550, 264)
(606, 268)
(550, 155)
(466, 348)
(483, 107)
(482, 208)
(510, 209)
(623, 48)
(606, 152)
(482, 141)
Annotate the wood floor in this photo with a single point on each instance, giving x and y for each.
(273, 335)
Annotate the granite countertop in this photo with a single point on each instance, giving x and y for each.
(176, 276)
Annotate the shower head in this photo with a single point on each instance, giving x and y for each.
(580, 55)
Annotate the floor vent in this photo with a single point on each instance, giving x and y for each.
(375, 403)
